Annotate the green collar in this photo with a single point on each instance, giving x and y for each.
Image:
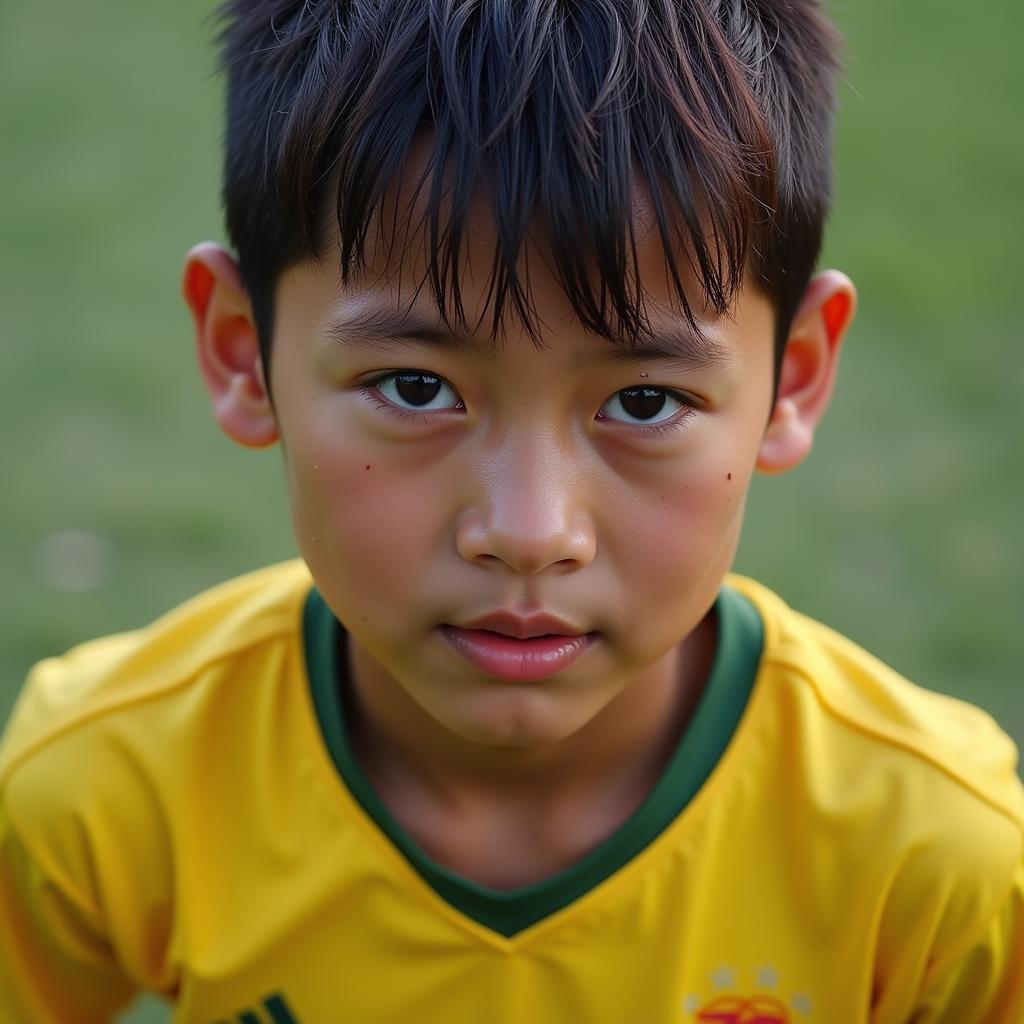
(738, 652)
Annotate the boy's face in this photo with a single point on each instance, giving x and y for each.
(513, 479)
(434, 481)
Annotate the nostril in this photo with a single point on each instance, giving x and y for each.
(526, 540)
(486, 559)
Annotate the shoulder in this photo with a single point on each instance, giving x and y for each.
(922, 787)
(929, 732)
(931, 779)
(114, 675)
(124, 758)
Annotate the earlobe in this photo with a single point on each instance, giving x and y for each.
(227, 346)
(808, 372)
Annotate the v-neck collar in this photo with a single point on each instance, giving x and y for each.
(725, 696)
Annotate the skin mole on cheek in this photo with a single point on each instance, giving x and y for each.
(728, 476)
(367, 465)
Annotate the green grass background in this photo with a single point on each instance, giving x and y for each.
(903, 529)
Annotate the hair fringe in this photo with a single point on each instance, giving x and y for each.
(720, 109)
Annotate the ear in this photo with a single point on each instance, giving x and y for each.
(227, 346)
(808, 371)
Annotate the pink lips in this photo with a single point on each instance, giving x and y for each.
(518, 648)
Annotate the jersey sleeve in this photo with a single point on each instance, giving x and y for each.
(949, 945)
(55, 963)
(984, 985)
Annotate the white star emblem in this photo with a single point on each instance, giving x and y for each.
(802, 1003)
(724, 977)
(767, 976)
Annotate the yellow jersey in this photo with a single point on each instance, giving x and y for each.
(180, 813)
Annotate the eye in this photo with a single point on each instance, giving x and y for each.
(642, 405)
(417, 390)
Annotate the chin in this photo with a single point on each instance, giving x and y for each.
(516, 721)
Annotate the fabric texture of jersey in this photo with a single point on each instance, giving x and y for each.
(180, 813)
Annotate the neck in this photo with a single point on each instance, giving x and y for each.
(616, 757)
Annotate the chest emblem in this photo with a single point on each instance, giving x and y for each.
(740, 1010)
(738, 1003)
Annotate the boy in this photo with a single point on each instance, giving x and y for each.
(524, 290)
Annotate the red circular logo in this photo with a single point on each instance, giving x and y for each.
(741, 1010)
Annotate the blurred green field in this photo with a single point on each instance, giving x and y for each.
(121, 499)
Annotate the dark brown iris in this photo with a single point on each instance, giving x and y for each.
(642, 403)
(417, 388)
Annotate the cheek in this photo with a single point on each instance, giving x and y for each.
(685, 528)
(698, 520)
(366, 531)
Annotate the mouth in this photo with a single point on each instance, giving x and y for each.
(517, 658)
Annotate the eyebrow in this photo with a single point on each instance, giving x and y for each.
(675, 342)
(373, 326)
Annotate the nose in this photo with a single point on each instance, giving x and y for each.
(528, 514)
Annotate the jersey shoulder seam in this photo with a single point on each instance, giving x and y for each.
(275, 631)
(916, 751)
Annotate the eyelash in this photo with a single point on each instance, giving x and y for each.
(370, 390)
(668, 426)
(688, 406)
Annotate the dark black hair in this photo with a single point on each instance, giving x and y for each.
(723, 109)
